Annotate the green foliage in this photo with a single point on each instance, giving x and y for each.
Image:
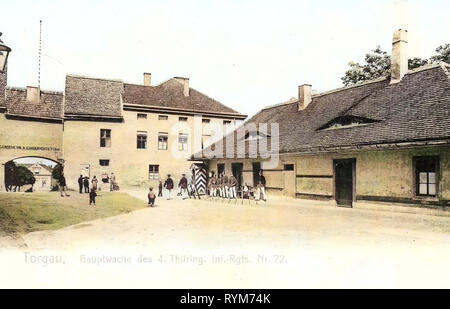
(442, 53)
(23, 176)
(57, 172)
(17, 176)
(417, 62)
(378, 64)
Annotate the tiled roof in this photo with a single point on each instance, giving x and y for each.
(170, 95)
(86, 96)
(49, 106)
(415, 109)
(2, 89)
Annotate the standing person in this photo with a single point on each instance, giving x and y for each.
(80, 183)
(168, 184)
(219, 185)
(262, 186)
(214, 185)
(151, 197)
(160, 186)
(183, 186)
(232, 183)
(92, 196)
(94, 183)
(112, 181)
(225, 186)
(210, 184)
(63, 185)
(86, 184)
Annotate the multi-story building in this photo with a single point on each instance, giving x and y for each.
(98, 126)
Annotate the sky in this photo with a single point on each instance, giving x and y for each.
(32, 160)
(247, 54)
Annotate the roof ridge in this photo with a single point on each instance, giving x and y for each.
(96, 78)
(25, 89)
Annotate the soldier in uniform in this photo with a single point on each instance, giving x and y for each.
(219, 185)
(225, 186)
(168, 184)
(232, 183)
(183, 184)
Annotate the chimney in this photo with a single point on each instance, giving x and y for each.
(185, 82)
(147, 79)
(33, 94)
(304, 96)
(399, 60)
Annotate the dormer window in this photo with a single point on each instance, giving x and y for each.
(255, 135)
(342, 122)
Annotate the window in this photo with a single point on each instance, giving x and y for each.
(289, 167)
(153, 171)
(141, 116)
(104, 162)
(163, 141)
(346, 122)
(163, 117)
(226, 122)
(105, 138)
(182, 118)
(141, 140)
(426, 169)
(182, 142)
(205, 120)
(206, 141)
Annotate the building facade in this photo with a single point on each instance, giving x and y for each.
(98, 126)
(386, 140)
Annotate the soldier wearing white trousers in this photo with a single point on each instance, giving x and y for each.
(232, 181)
(261, 186)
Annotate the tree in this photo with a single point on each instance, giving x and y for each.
(10, 171)
(417, 62)
(378, 64)
(442, 54)
(24, 176)
(17, 176)
(57, 172)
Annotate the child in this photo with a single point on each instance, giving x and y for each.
(92, 196)
(151, 197)
(160, 186)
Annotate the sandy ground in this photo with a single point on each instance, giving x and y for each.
(283, 243)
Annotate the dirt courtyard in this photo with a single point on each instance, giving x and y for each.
(283, 243)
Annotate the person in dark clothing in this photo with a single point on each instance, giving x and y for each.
(86, 184)
(151, 197)
(63, 185)
(160, 187)
(168, 184)
(262, 186)
(92, 196)
(183, 184)
(80, 183)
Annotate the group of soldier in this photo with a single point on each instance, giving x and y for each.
(227, 187)
(222, 186)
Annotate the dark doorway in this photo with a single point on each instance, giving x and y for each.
(220, 169)
(256, 169)
(344, 181)
(237, 169)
